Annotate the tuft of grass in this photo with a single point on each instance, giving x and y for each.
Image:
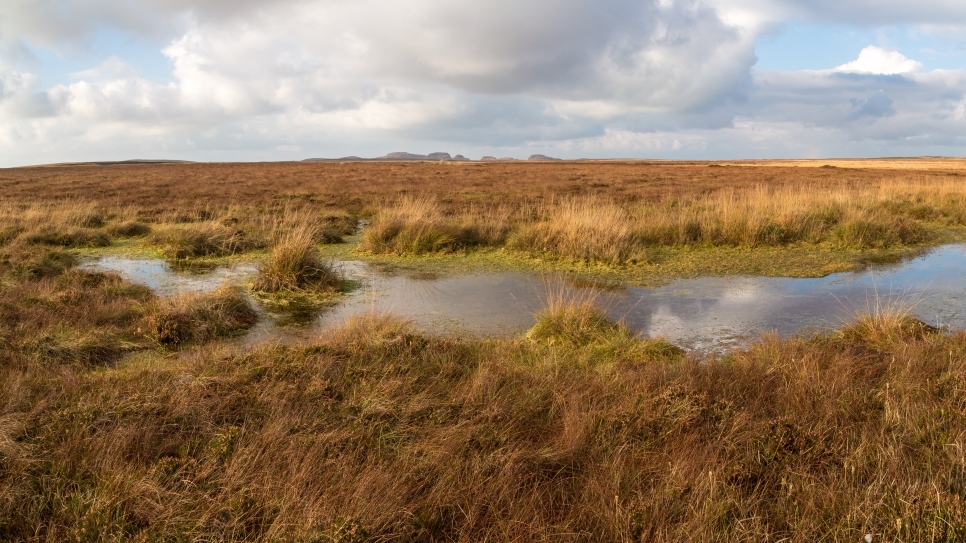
(295, 265)
(71, 237)
(417, 226)
(27, 262)
(583, 229)
(207, 239)
(887, 323)
(574, 322)
(197, 318)
(69, 317)
(880, 232)
(130, 229)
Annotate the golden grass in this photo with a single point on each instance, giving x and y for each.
(296, 266)
(898, 213)
(197, 318)
(377, 433)
(417, 226)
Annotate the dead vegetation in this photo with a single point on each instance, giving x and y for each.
(580, 431)
(197, 318)
(376, 433)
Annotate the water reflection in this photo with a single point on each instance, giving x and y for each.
(712, 313)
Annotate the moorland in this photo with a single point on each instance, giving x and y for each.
(126, 415)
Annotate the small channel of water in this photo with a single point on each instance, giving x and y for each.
(708, 314)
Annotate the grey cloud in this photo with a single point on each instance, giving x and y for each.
(570, 77)
(877, 105)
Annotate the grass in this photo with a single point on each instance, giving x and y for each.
(206, 239)
(122, 417)
(379, 433)
(413, 226)
(595, 229)
(295, 265)
(197, 318)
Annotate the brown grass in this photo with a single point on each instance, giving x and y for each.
(580, 432)
(596, 211)
(197, 318)
(296, 266)
(382, 434)
(417, 226)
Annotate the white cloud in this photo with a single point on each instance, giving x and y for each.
(635, 77)
(881, 61)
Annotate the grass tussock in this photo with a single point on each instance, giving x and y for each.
(130, 229)
(206, 239)
(417, 226)
(574, 321)
(295, 265)
(584, 229)
(887, 323)
(28, 262)
(197, 318)
(383, 434)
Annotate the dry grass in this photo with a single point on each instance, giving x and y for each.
(580, 432)
(897, 213)
(296, 266)
(610, 212)
(418, 226)
(377, 433)
(197, 318)
(56, 315)
(205, 239)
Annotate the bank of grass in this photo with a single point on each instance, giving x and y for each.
(377, 433)
(662, 264)
(894, 215)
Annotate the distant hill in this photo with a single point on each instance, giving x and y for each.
(541, 157)
(397, 155)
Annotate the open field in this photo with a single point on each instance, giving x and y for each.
(638, 220)
(128, 416)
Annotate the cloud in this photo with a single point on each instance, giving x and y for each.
(877, 60)
(876, 106)
(647, 77)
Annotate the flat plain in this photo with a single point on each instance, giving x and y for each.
(127, 415)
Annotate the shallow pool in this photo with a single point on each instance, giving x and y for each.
(711, 313)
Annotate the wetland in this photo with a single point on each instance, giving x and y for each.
(573, 351)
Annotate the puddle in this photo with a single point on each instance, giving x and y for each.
(166, 280)
(708, 314)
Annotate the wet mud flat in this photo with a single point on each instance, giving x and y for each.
(705, 314)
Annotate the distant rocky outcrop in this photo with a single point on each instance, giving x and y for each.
(402, 155)
(459, 158)
(541, 157)
(488, 158)
(507, 158)
(439, 156)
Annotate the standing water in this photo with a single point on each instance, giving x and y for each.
(710, 313)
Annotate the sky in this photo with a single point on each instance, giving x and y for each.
(247, 80)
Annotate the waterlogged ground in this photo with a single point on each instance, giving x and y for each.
(708, 314)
